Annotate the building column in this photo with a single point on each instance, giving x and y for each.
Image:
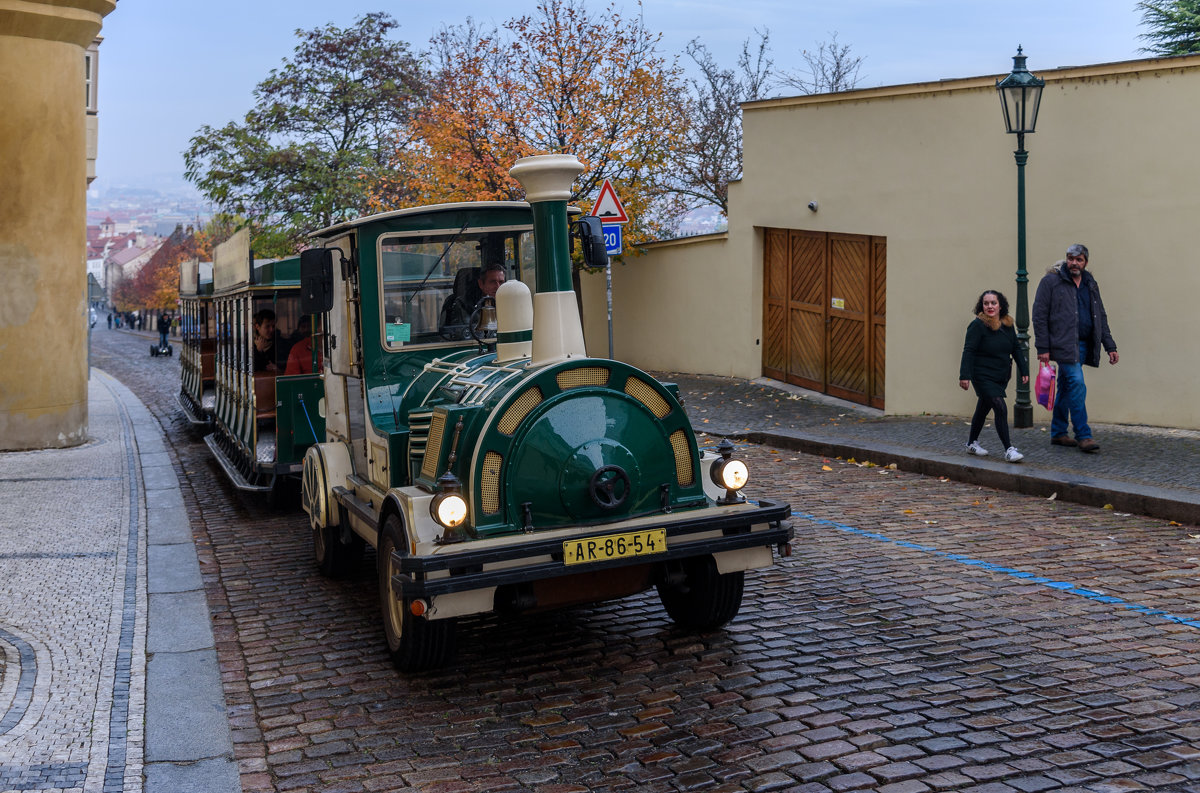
(43, 221)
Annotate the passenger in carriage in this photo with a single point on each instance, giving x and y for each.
(300, 357)
(264, 341)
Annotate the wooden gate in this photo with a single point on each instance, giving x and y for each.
(824, 298)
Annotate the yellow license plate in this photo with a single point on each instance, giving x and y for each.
(615, 546)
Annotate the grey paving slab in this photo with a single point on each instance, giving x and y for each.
(185, 717)
(152, 444)
(178, 623)
(170, 498)
(173, 568)
(151, 459)
(167, 526)
(159, 477)
(204, 776)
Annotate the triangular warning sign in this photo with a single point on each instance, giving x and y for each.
(608, 207)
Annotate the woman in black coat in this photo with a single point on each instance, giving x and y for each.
(988, 351)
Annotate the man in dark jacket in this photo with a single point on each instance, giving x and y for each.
(1070, 326)
(164, 327)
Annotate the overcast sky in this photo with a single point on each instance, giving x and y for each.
(167, 67)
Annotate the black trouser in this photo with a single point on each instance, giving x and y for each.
(987, 405)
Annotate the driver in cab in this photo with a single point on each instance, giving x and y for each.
(457, 311)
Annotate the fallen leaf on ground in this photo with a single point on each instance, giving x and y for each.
(826, 468)
(1052, 496)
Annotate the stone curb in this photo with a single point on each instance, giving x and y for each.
(189, 744)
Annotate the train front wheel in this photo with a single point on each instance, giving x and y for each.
(704, 598)
(414, 643)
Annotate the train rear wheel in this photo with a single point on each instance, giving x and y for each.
(705, 598)
(336, 559)
(414, 643)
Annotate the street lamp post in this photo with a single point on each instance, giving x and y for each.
(1020, 96)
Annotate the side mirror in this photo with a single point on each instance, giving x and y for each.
(316, 280)
(590, 231)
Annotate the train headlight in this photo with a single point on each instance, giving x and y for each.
(448, 507)
(730, 474)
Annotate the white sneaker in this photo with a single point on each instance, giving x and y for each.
(974, 448)
(1012, 455)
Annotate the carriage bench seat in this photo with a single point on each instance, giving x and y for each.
(264, 396)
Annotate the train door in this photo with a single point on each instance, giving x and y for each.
(345, 418)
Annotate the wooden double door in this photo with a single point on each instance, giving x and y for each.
(824, 302)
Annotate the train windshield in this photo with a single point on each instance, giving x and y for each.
(433, 283)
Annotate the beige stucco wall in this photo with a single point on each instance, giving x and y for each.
(930, 168)
(43, 379)
(680, 309)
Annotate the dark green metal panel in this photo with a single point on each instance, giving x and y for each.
(552, 245)
(299, 424)
(572, 434)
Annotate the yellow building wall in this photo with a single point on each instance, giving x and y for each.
(43, 156)
(930, 168)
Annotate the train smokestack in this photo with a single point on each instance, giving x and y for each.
(557, 328)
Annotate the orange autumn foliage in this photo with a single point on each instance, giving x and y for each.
(564, 80)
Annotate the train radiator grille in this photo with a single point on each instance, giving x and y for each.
(684, 472)
(645, 393)
(433, 447)
(586, 375)
(518, 410)
(489, 483)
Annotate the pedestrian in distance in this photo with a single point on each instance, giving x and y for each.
(1070, 326)
(988, 352)
(110, 320)
(164, 327)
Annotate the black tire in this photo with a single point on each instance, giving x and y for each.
(153, 351)
(170, 350)
(414, 643)
(336, 559)
(705, 599)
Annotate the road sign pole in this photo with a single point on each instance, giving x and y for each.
(608, 278)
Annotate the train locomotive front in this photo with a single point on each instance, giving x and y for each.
(520, 475)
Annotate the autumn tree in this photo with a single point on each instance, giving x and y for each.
(566, 79)
(156, 284)
(710, 153)
(1174, 26)
(316, 143)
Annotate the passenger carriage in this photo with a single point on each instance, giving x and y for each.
(264, 419)
(506, 472)
(197, 349)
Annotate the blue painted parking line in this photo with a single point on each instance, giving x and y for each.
(1062, 586)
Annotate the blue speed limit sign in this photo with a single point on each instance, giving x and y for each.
(612, 239)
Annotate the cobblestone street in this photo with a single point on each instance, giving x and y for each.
(925, 635)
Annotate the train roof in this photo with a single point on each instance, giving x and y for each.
(346, 225)
(459, 206)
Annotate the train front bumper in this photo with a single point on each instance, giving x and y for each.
(715, 531)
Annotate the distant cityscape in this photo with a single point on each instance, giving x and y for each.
(153, 210)
(156, 206)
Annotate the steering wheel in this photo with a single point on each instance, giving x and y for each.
(609, 487)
